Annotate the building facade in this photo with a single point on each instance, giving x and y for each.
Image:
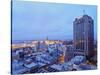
(69, 52)
(83, 30)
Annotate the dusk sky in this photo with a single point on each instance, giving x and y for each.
(37, 20)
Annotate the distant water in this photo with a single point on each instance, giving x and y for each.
(20, 41)
(17, 41)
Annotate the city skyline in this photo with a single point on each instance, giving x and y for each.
(37, 20)
(53, 37)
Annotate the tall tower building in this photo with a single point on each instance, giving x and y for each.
(83, 30)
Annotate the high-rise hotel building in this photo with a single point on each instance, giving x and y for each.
(83, 30)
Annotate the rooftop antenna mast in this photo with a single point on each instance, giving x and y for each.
(47, 38)
(83, 12)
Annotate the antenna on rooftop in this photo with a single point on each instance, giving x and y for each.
(83, 12)
(47, 38)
